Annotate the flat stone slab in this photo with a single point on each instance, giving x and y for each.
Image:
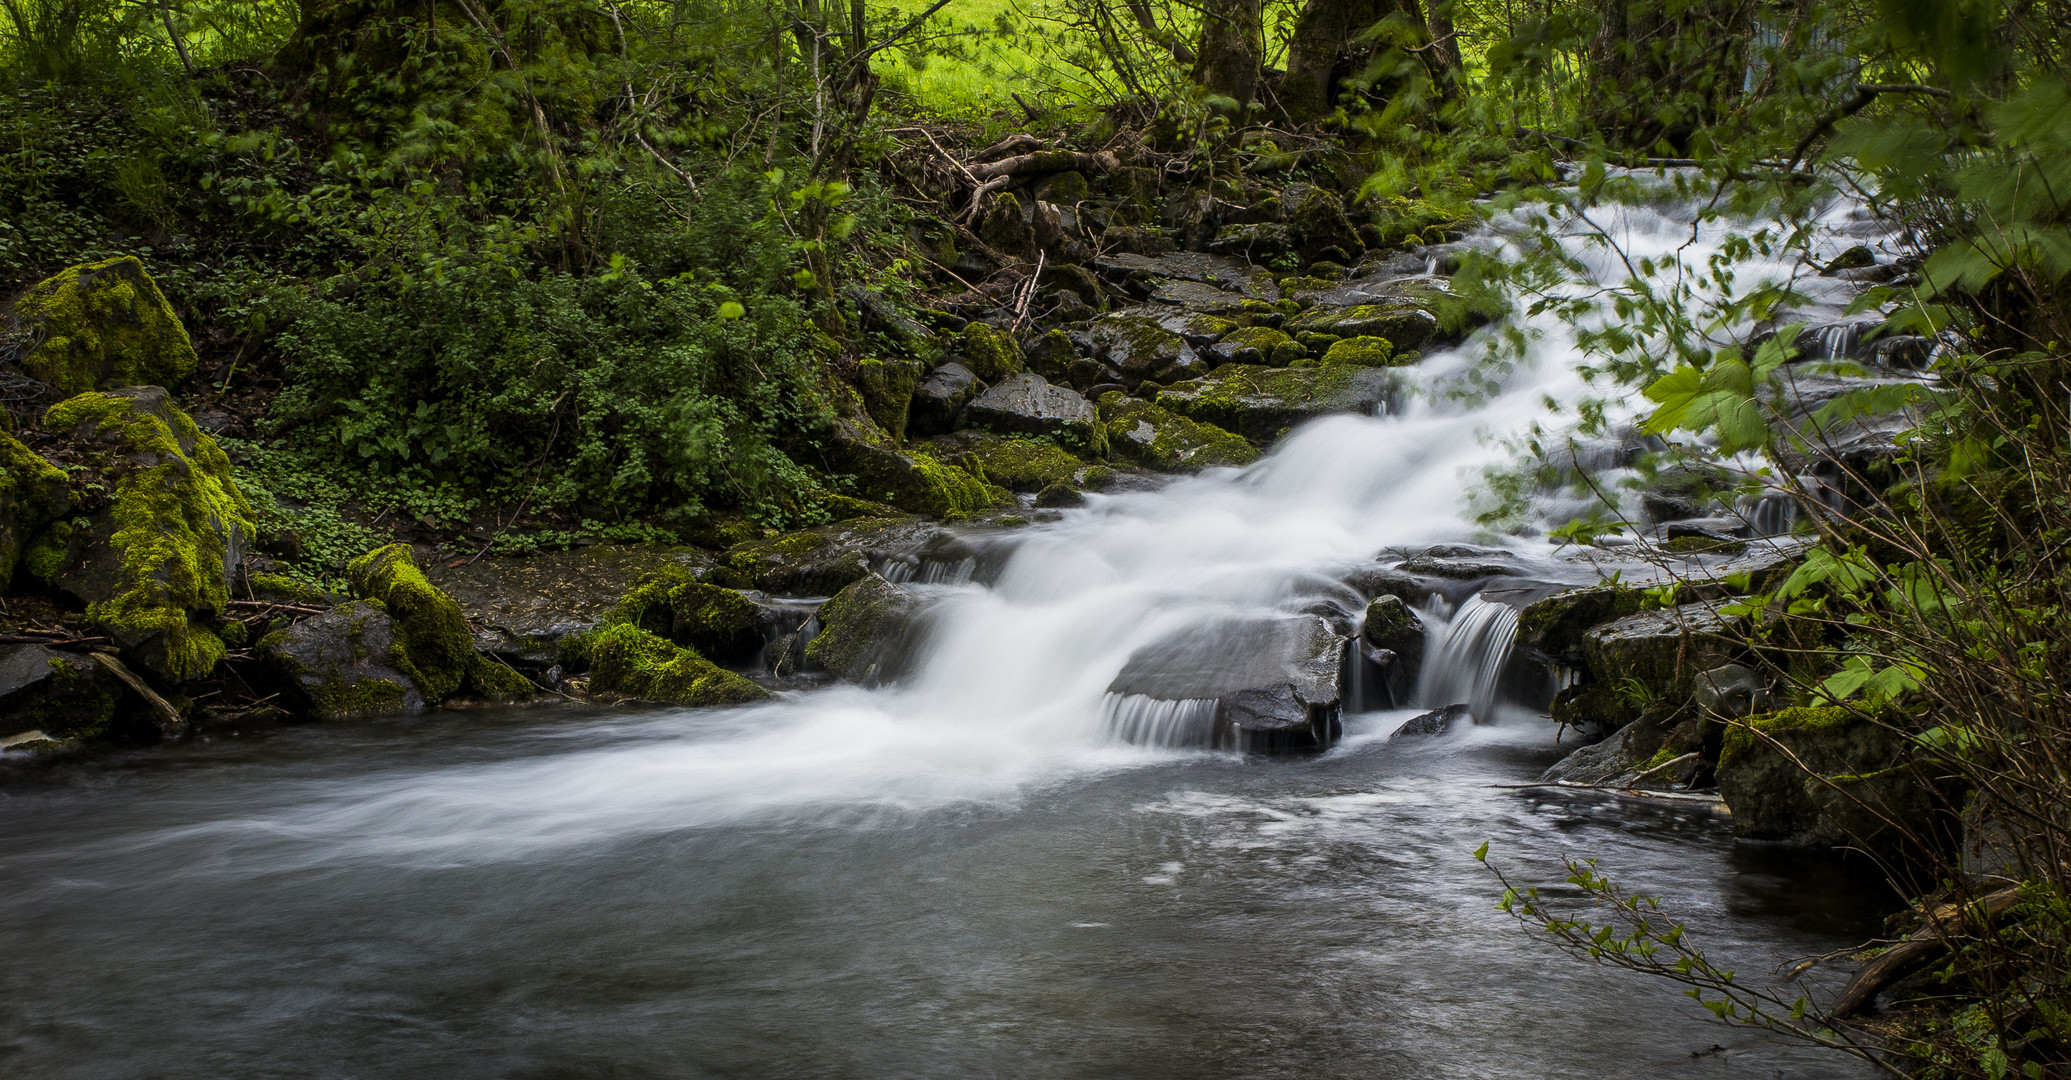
(523, 606)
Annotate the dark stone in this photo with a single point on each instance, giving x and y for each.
(1261, 403)
(1029, 403)
(1459, 569)
(1862, 788)
(1392, 625)
(1137, 347)
(1435, 722)
(821, 560)
(939, 400)
(522, 607)
(1731, 691)
(341, 663)
(50, 696)
(1262, 242)
(863, 631)
(1276, 680)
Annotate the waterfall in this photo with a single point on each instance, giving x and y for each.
(1465, 657)
(1141, 720)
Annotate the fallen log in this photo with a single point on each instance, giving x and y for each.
(1021, 142)
(168, 717)
(1047, 161)
(1918, 948)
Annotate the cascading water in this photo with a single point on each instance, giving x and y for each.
(968, 871)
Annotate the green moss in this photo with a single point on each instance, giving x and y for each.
(105, 324)
(1287, 353)
(988, 352)
(854, 624)
(1162, 439)
(1741, 738)
(76, 702)
(1703, 545)
(952, 492)
(1259, 402)
(1362, 351)
(358, 698)
(433, 644)
(1317, 342)
(1015, 463)
(1263, 338)
(626, 661)
(33, 493)
(280, 587)
(716, 621)
(175, 514)
(887, 389)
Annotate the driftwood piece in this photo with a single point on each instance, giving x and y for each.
(1021, 142)
(168, 717)
(1923, 945)
(1047, 161)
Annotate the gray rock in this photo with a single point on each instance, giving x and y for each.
(47, 695)
(1662, 650)
(1468, 569)
(939, 400)
(1261, 242)
(1392, 625)
(1435, 722)
(340, 663)
(1260, 403)
(1861, 789)
(1276, 680)
(1216, 270)
(1597, 763)
(1731, 691)
(824, 559)
(1137, 347)
(1028, 403)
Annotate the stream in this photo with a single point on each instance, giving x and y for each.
(967, 872)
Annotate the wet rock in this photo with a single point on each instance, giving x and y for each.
(1220, 271)
(1195, 328)
(1316, 219)
(1854, 258)
(1136, 240)
(1260, 242)
(33, 493)
(1158, 438)
(1435, 722)
(1861, 790)
(1016, 464)
(1554, 627)
(1640, 754)
(1049, 355)
(939, 400)
(50, 696)
(1137, 347)
(1373, 580)
(822, 560)
(1730, 691)
(1403, 324)
(1459, 569)
(1595, 764)
(1662, 650)
(1029, 404)
(153, 560)
(1393, 625)
(624, 661)
(863, 631)
(103, 325)
(1276, 680)
(1261, 403)
(524, 606)
(343, 663)
(723, 625)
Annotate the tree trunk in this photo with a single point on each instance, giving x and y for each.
(1445, 47)
(1232, 44)
(1324, 51)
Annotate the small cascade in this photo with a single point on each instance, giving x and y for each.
(1143, 720)
(1466, 656)
(1769, 514)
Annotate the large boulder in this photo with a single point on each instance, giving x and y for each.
(939, 400)
(1136, 347)
(912, 482)
(862, 630)
(1158, 438)
(1552, 629)
(104, 325)
(1017, 464)
(343, 663)
(1822, 777)
(624, 661)
(52, 696)
(888, 387)
(33, 493)
(1661, 650)
(432, 643)
(721, 624)
(154, 554)
(1275, 682)
(1028, 404)
(1316, 220)
(989, 352)
(1393, 639)
(1261, 403)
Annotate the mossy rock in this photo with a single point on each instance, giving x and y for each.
(625, 661)
(861, 628)
(342, 663)
(1364, 352)
(1554, 627)
(104, 325)
(989, 352)
(1703, 545)
(280, 588)
(1317, 218)
(33, 493)
(433, 644)
(911, 482)
(817, 561)
(1051, 355)
(1261, 403)
(1861, 787)
(1017, 464)
(887, 387)
(1263, 338)
(718, 622)
(153, 564)
(64, 695)
(1406, 324)
(1661, 650)
(1159, 438)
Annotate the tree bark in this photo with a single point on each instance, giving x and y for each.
(1232, 46)
(1324, 51)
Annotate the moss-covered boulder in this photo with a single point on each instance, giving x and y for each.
(861, 629)
(33, 493)
(104, 325)
(718, 622)
(153, 555)
(1861, 788)
(1012, 462)
(1251, 344)
(1316, 218)
(821, 560)
(1364, 352)
(625, 661)
(432, 643)
(1029, 404)
(1661, 650)
(988, 351)
(911, 482)
(1137, 348)
(343, 663)
(1261, 403)
(48, 696)
(887, 387)
(1553, 628)
(1405, 323)
(1158, 438)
